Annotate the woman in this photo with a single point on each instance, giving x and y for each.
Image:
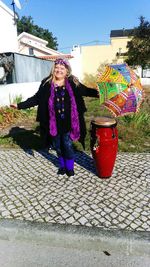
(61, 112)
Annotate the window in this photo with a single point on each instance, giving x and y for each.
(146, 73)
(31, 51)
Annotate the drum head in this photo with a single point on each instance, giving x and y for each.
(104, 122)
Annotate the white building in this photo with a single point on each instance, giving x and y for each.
(76, 61)
(25, 43)
(29, 44)
(8, 30)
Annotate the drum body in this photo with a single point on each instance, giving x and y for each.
(104, 145)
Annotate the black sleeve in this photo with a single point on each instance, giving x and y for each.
(31, 101)
(87, 91)
(83, 90)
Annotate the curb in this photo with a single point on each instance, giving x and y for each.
(27, 226)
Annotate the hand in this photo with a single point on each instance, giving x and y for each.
(14, 105)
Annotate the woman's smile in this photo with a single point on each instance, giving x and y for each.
(60, 71)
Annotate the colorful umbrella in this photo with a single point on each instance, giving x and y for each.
(120, 89)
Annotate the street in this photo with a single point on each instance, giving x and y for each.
(23, 244)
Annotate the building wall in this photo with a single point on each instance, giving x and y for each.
(76, 62)
(94, 56)
(119, 45)
(24, 49)
(38, 45)
(9, 92)
(8, 30)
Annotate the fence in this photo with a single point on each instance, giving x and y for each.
(21, 75)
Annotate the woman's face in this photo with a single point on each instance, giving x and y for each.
(60, 71)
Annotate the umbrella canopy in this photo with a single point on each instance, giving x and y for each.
(120, 89)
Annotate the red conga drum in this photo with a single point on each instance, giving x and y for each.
(104, 145)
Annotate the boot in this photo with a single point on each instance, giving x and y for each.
(61, 169)
(69, 164)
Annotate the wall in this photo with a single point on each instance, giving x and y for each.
(76, 62)
(24, 68)
(30, 68)
(24, 49)
(26, 77)
(26, 41)
(119, 44)
(9, 92)
(93, 56)
(145, 81)
(8, 30)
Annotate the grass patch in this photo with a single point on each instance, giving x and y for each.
(133, 130)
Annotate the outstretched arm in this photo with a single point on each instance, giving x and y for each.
(30, 102)
(87, 91)
(83, 89)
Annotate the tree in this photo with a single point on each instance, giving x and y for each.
(26, 24)
(139, 47)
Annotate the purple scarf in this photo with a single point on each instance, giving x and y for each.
(75, 128)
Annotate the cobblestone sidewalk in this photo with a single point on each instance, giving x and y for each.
(31, 190)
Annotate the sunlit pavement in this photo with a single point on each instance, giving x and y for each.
(31, 190)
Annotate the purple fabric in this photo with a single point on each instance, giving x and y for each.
(52, 122)
(69, 164)
(62, 61)
(75, 128)
(61, 162)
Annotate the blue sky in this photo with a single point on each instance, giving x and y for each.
(83, 22)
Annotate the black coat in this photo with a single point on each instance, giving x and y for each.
(41, 98)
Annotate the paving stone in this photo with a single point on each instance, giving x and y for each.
(5, 213)
(31, 190)
(83, 220)
(70, 220)
(77, 215)
(65, 216)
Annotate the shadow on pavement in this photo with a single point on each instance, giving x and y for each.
(29, 140)
(85, 161)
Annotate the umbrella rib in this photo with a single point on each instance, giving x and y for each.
(114, 105)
